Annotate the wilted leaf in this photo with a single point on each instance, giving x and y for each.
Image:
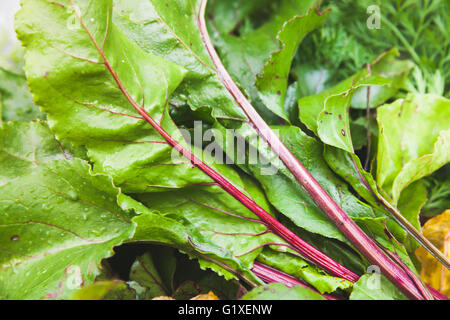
(209, 296)
(437, 230)
(163, 298)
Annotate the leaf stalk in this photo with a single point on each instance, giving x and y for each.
(324, 201)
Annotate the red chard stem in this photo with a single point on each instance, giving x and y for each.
(324, 201)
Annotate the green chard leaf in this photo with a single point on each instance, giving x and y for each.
(218, 217)
(65, 78)
(286, 195)
(260, 59)
(161, 272)
(155, 273)
(23, 146)
(273, 83)
(171, 31)
(118, 141)
(299, 268)
(375, 287)
(278, 291)
(58, 218)
(89, 63)
(227, 16)
(176, 232)
(405, 153)
(16, 102)
(96, 50)
(108, 290)
(327, 113)
(348, 166)
(411, 201)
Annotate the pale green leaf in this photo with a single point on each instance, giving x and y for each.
(16, 102)
(414, 141)
(375, 287)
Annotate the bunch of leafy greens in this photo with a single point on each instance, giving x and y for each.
(93, 204)
(418, 29)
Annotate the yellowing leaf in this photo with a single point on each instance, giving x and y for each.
(209, 296)
(437, 230)
(163, 298)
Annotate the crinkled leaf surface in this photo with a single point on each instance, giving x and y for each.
(58, 219)
(278, 291)
(405, 153)
(118, 141)
(69, 69)
(171, 31)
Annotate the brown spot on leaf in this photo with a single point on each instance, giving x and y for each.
(343, 132)
(57, 4)
(15, 238)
